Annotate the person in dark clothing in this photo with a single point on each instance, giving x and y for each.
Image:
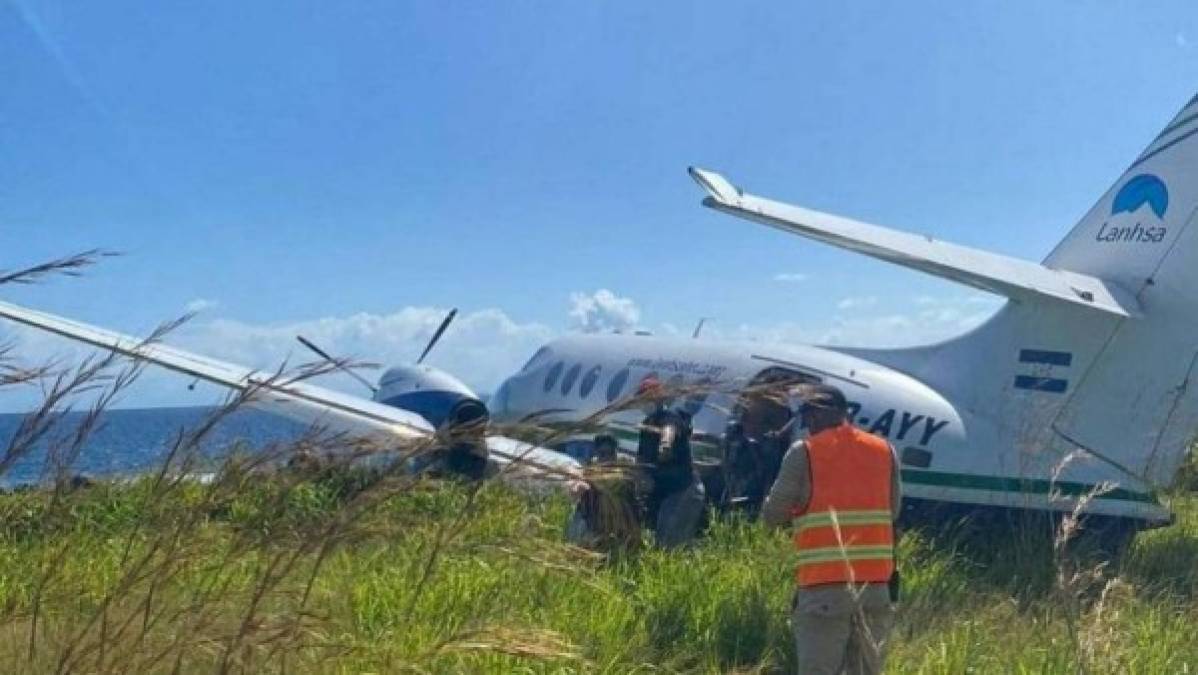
(739, 466)
(604, 451)
(606, 514)
(467, 460)
(675, 496)
(462, 452)
(773, 449)
(755, 440)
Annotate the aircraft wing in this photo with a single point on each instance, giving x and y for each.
(307, 403)
(1010, 277)
(531, 466)
(300, 401)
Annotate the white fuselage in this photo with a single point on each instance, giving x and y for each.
(947, 454)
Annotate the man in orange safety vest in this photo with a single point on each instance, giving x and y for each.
(841, 489)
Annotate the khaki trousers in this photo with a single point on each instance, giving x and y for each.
(842, 628)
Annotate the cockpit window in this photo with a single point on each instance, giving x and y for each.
(617, 385)
(588, 381)
(554, 373)
(570, 378)
(535, 357)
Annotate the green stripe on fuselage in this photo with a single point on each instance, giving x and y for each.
(1036, 486)
(708, 450)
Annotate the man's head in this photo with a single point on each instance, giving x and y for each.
(650, 394)
(822, 406)
(605, 448)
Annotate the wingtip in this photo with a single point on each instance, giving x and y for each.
(715, 185)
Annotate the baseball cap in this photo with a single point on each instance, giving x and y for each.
(649, 385)
(821, 396)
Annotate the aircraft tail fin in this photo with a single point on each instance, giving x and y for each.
(1122, 389)
(1097, 350)
(1127, 236)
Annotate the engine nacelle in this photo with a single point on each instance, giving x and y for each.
(435, 395)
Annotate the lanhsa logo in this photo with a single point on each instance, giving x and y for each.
(1140, 190)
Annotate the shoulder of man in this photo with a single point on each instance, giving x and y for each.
(796, 453)
(656, 417)
(672, 416)
(894, 458)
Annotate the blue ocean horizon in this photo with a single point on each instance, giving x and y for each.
(130, 441)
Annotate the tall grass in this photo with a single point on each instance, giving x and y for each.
(328, 567)
(507, 595)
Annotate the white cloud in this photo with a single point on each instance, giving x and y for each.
(926, 320)
(1182, 40)
(201, 304)
(857, 302)
(480, 347)
(603, 311)
(931, 319)
(790, 277)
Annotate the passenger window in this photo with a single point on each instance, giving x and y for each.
(570, 378)
(588, 381)
(554, 373)
(617, 385)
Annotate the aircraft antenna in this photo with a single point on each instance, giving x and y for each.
(437, 336)
(322, 354)
(699, 326)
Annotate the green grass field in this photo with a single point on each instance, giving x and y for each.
(260, 574)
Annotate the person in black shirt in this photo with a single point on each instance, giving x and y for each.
(461, 450)
(756, 438)
(675, 498)
(604, 450)
(739, 466)
(606, 513)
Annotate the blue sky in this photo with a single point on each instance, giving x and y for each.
(353, 169)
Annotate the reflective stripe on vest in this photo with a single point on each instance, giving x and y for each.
(846, 533)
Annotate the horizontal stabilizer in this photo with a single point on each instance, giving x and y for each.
(1002, 275)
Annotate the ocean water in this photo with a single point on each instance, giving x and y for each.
(131, 441)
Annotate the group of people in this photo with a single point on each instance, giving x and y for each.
(666, 482)
(838, 487)
(661, 489)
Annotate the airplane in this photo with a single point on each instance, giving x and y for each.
(1075, 395)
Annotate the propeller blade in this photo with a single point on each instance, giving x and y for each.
(320, 352)
(437, 336)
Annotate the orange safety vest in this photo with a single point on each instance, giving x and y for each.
(846, 531)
